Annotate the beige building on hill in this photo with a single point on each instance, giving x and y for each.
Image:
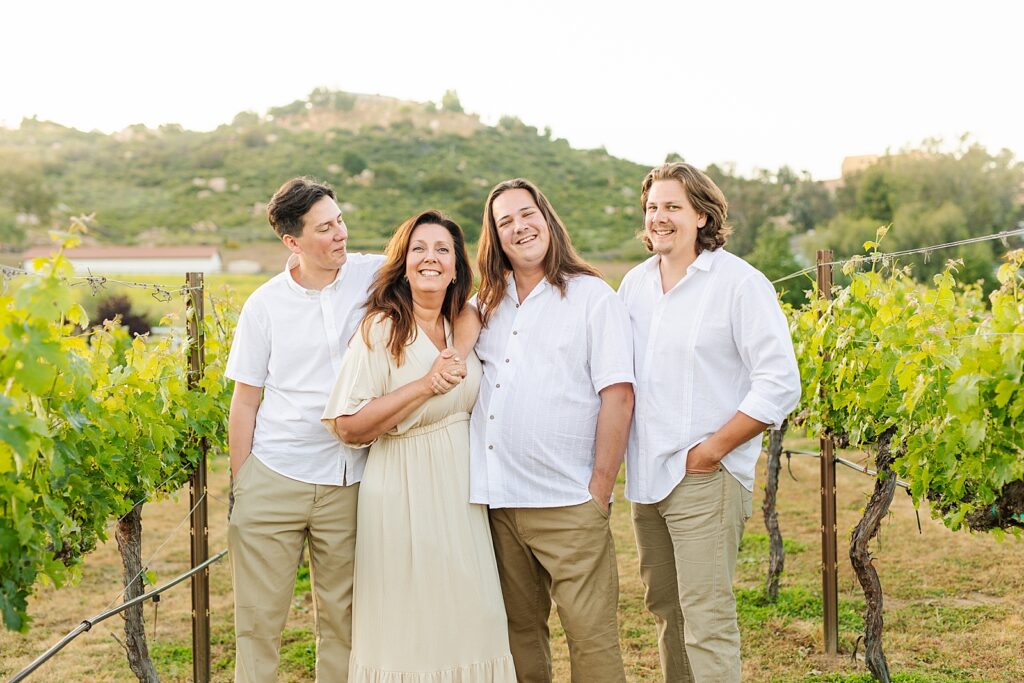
(851, 165)
(857, 164)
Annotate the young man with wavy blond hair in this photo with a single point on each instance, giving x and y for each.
(714, 367)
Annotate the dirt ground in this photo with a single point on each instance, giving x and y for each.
(954, 603)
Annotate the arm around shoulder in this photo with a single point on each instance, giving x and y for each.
(466, 329)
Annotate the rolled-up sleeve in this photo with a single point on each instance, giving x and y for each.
(762, 338)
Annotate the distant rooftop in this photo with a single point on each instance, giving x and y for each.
(125, 252)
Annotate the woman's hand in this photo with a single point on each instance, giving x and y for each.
(446, 373)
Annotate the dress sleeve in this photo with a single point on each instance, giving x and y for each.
(364, 375)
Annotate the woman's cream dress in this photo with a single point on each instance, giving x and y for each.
(427, 604)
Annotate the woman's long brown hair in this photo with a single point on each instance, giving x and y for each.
(390, 296)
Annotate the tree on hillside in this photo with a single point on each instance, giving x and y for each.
(450, 102)
(332, 99)
(23, 190)
(293, 109)
(773, 256)
(876, 195)
(931, 197)
(810, 205)
(753, 202)
(987, 187)
(353, 163)
(23, 185)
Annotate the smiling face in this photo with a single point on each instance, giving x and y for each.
(430, 260)
(522, 231)
(322, 243)
(671, 222)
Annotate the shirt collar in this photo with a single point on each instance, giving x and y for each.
(293, 260)
(510, 289)
(704, 261)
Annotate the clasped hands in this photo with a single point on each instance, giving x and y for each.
(447, 372)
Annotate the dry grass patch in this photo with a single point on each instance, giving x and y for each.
(953, 601)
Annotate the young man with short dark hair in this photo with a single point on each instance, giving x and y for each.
(293, 482)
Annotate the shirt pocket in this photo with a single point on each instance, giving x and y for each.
(715, 335)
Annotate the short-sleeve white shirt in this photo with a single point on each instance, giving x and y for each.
(290, 340)
(714, 344)
(544, 363)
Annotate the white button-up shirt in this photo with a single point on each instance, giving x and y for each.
(545, 361)
(290, 340)
(715, 344)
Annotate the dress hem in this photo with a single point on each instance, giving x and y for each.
(499, 670)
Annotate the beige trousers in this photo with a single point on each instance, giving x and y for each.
(272, 518)
(687, 545)
(565, 554)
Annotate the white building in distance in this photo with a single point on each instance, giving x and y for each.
(133, 260)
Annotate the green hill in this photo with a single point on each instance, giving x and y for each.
(387, 159)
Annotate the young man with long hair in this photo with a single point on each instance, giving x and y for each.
(549, 431)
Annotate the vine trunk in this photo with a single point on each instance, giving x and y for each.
(129, 543)
(860, 555)
(776, 553)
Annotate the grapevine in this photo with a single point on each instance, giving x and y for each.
(93, 423)
(928, 379)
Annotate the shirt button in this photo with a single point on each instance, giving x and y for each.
(497, 386)
(514, 332)
(506, 360)
(490, 448)
(492, 417)
(517, 305)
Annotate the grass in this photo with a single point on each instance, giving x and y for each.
(897, 678)
(792, 605)
(953, 602)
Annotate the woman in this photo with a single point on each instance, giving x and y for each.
(427, 603)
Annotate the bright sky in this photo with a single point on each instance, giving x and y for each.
(758, 84)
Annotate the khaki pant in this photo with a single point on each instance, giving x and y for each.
(566, 554)
(687, 545)
(272, 518)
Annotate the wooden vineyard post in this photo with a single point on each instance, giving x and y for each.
(197, 491)
(829, 565)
